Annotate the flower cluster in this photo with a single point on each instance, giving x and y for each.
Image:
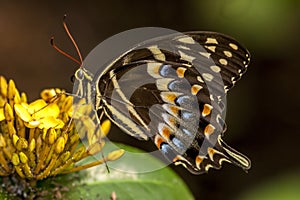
(40, 139)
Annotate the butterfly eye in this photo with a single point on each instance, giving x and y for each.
(72, 78)
(79, 75)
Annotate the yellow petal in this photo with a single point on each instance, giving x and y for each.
(51, 122)
(70, 112)
(36, 106)
(17, 97)
(22, 112)
(74, 138)
(15, 139)
(8, 112)
(22, 143)
(25, 105)
(15, 159)
(3, 86)
(2, 117)
(11, 89)
(48, 94)
(88, 123)
(81, 110)
(115, 154)
(3, 101)
(79, 152)
(95, 148)
(2, 141)
(50, 110)
(32, 124)
(23, 157)
(44, 134)
(32, 145)
(60, 145)
(68, 102)
(65, 156)
(23, 97)
(105, 126)
(51, 135)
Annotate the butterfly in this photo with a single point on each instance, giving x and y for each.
(172, 90)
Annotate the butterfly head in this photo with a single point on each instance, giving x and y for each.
(83, 74)
(84, 86)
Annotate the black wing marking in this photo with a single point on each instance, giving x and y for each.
(194, 143)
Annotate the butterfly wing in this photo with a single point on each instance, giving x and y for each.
(172, 90)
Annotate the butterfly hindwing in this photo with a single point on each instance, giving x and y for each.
(171, 90)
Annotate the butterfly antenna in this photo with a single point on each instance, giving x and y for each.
(71, 38)
(73, 42)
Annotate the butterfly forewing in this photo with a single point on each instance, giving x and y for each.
(172, 90)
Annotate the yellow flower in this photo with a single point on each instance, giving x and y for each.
(40, 139)
(39, 114)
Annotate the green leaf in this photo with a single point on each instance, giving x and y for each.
(284, 187)
(97, 183)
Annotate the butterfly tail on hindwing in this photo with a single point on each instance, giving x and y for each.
(198, 161)
(233, 155)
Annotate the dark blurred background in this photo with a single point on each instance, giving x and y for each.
(263, 109)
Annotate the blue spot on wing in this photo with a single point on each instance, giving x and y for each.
(167, 71)
(178, 144)
(168, 152)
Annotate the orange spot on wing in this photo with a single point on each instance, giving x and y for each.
(174, 110)
(198, 161)
(166, 132)
(158, 141)
(156, 69)
(195, 89)
(206, 110)
(180, 160)
(180, 72)
(172, 120)
(177, 158)
(209, 129)
(169, 97)
(211, 151)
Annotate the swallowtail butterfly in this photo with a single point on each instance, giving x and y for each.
(177, 93)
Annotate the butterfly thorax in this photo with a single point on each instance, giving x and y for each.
(84, 86)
